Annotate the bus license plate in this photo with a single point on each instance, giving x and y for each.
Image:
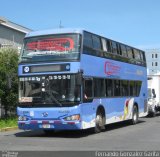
(46, 126)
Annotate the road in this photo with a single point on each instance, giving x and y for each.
(145, 136)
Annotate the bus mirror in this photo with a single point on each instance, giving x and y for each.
(154, 94)
(79, 79)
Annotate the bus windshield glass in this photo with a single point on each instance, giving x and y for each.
(58, 47)
(54, 90)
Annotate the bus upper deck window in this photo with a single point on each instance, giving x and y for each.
(109, 46)
(136, 54)
(124, 51)
(130, 52)
(114, 47)
(104, 45)
(96, 42)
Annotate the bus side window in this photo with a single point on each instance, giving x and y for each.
(87, 40)
(109, 87)
(136, 54)
(119, 51)
(109, 47)
(114, 47)
(99, 88)
(87, 43)
(124, 51)
(132, 88)
(124, 88)
(117, 88)
(130, 53)
(96, 42)
(104, 44)
(88, 89)
(138, 85)
(142, 55)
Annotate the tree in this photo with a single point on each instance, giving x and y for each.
(8, 78)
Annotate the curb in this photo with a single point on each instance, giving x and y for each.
(9, 129)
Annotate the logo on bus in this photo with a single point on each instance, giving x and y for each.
(45, 114)
(111, 68)
(26, 69)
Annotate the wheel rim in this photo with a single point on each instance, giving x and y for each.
(135, 117)
(99, 121)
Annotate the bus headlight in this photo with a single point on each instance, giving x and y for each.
(73, 117)
(22, 118)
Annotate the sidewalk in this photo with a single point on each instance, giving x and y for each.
(9, 129)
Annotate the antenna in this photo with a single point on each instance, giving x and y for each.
(60, 24)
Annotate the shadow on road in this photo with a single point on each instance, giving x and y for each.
(157, 115)
(55, 134)
(74, 133)
(118, 125)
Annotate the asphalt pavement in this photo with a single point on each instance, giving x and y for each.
(144, 136)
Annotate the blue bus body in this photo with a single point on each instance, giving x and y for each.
(82, 115)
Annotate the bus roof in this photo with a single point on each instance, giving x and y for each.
(54, 31)
(66, 30)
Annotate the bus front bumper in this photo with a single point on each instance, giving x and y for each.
(49, 125)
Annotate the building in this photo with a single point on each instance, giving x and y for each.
(153, 61)
(11, 34)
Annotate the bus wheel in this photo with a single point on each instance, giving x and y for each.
(135, 115)
(99, 122)
(154, 112)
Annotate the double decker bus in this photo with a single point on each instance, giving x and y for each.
(72, 79)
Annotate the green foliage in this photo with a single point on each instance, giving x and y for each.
(8, 122)
(8, 71)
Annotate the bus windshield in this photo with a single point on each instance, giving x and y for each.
(56, 90)
(58, 47)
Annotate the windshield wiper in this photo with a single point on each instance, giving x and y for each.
(27, 57)
(53, 98)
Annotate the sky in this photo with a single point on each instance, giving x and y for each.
(133, 22)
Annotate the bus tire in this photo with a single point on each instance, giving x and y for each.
(99, 121)
(153, 114)
(135, 115)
